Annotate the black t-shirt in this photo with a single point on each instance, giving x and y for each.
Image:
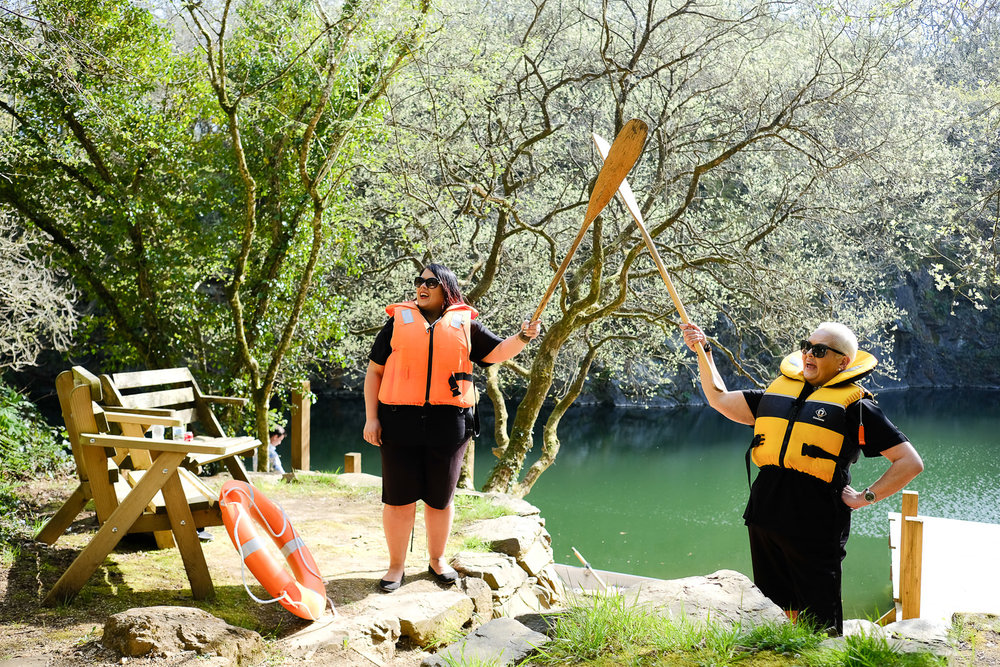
(483, 342)
(800, 504)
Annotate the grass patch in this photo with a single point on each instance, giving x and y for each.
(606, 625)
(783, 638)
(449, 632)
(877, 651)
(476, 508)
(607, 630)
(476, 544)
(308, 484)
(462, 661)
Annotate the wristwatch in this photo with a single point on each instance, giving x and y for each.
(869, 495)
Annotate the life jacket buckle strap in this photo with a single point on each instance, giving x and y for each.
(453, 382)
(815, 452)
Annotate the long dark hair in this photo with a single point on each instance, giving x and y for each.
(449, 283)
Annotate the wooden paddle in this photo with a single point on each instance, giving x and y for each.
(625, 192)
(617, 162)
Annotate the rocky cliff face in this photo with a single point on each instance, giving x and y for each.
(943, 341)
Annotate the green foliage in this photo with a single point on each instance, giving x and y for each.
(476, 544)
(28, 448)
(802, 162)
(28, 445)
(193, 173)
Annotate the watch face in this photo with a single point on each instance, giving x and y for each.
(869, 495)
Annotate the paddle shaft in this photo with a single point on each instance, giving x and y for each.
(587, 567)
(628, 197)
(618, 161)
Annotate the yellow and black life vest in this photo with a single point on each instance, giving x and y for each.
(807, 435)
(429, 363)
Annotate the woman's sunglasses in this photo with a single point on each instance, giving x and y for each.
(819, 350)
(431, 282)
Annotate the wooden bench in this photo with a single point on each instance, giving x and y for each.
(137, 484)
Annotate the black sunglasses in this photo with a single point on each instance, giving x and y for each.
(819, 350)
(431, 282)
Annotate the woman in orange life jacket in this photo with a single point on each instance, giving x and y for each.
(810, 425)
(419, 402)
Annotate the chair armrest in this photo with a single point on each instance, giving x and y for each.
(221, 447)
(144, 417)
(227, 400)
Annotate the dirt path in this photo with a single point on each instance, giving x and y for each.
(340, 523)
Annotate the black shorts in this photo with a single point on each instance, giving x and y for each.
(422, 452)
(801, 573)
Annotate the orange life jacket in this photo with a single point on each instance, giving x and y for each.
(429, 363)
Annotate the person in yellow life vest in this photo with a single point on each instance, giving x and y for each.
(419, 410)
(810, 425)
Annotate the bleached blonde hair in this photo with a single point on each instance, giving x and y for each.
(843, 337)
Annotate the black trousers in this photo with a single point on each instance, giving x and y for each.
(422, 452)
(800, 573)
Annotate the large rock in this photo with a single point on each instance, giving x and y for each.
(335, 639)
(503, 641)
(165, 631)
(518, 506)
(427, 614)
(480, 594)
(522, 600)
(551, 589)
(536, 557)
(499, 571)
(726, 597)
(512, 535)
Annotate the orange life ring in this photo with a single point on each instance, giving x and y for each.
(245, 511)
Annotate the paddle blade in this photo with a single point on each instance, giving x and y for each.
(624, 190)
(623, 154)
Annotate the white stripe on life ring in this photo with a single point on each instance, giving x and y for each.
(292, 546)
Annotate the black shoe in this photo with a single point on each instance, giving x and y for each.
(387, 586)
(448, 577)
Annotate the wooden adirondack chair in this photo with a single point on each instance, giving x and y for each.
(162, 497)
(168, 397)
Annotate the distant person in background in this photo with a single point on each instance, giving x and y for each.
(277, 434)
(419, 402)
(810, 425)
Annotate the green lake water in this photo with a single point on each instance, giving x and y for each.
(661, 493)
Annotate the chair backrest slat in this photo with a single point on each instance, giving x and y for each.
(135, 379)
(165, 398)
